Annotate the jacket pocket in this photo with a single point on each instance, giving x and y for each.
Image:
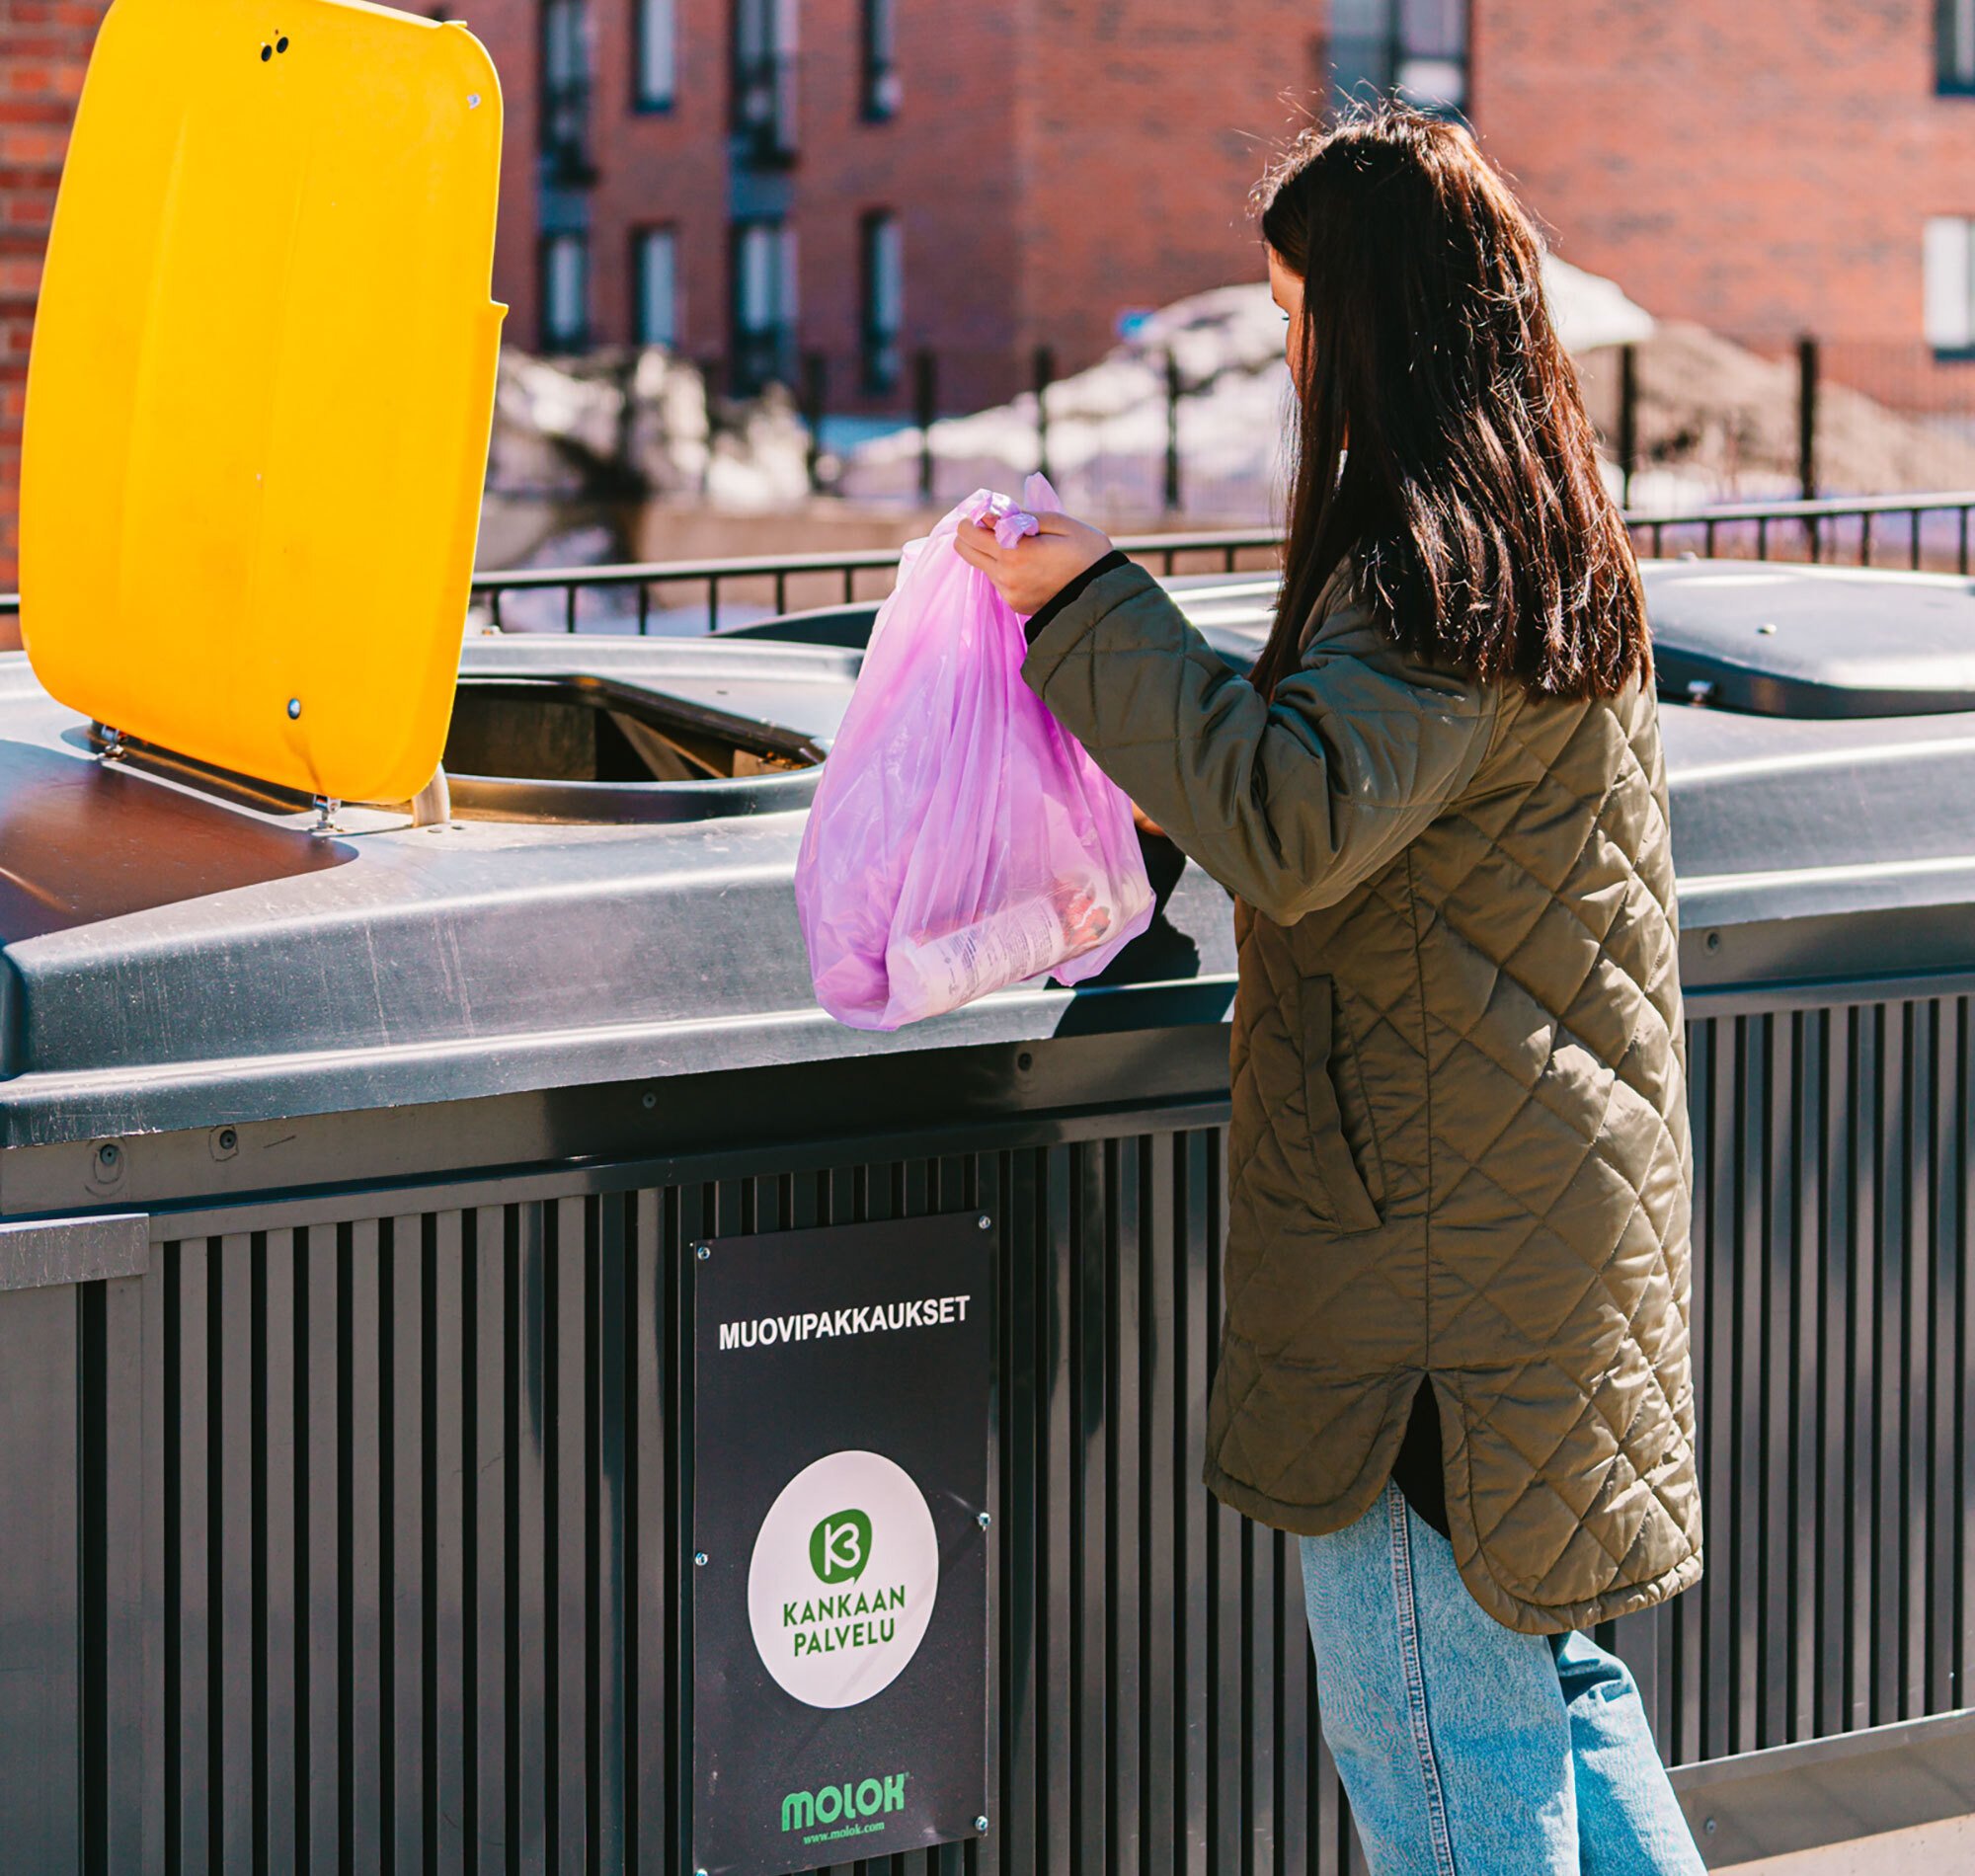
(1352, 1207)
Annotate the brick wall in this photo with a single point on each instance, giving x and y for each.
(1142, 128)
(1758, 166)
(44, 51)
(661, 168)
(946, 164)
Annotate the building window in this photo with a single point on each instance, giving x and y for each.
(881, 67)
(765, 303)
(1954, 45)
(565, 125)
(764, 80)
(658, 55)
(565, 292)
(657, 321)
(1950, 282)
(884, 285)
(1415, 51)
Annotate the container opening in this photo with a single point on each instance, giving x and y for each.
(571, 728)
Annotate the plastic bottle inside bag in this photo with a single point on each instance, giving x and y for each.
(1005, 947)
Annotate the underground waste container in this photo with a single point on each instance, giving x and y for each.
(413, 1241)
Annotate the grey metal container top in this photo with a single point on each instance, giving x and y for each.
(176, 953)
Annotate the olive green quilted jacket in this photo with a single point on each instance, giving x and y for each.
(1459, 1147)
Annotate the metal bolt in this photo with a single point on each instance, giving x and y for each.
(228, 1139)
(984, 1223)
(1708, 1826)
(1025, 1061)
(1714, 941)
(295, 708)
(979, 1824)
(982, 1519)
(107, 1154)
(702, 1252)
(651, 1100)
(699, 1559)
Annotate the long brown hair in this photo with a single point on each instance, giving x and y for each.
(1468, 500)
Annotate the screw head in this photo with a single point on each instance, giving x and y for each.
(651, 1100)
(699, 1559)
(702, 1252)
(982, 1519)
(1714, 941)
(984, 1223)
(980, 1825)
(107, 1154)
(1708, 1826)
(295, 708)
(228, 1139)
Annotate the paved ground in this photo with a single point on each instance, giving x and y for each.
(1931, 1849)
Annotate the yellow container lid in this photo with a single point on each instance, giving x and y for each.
(261, 387)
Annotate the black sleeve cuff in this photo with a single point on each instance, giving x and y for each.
(1058, 600)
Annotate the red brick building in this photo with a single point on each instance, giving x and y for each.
(760, 180)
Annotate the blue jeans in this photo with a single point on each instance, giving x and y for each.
(1467, 1749)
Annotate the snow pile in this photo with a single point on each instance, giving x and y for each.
(638, 423)
(1717, 422)
(1108, 425)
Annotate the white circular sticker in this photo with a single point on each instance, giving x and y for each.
(841, 1584)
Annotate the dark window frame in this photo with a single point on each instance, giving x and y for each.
(769, 142)
(748, 346)
(562, 128)
(640, 232)
(1949, 83)
(644, 103)
(873, 343)
(553, 344)
(1393, 52)
(878, 86)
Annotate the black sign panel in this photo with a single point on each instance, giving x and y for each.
(841, 1434)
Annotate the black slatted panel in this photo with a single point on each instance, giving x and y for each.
(382, 1558)
(1834, 1189)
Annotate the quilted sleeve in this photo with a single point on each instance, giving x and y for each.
(1288, 804)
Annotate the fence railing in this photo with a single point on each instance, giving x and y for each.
(1860, 531)
(1921, 533)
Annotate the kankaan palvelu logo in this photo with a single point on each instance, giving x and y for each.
(839, 1548)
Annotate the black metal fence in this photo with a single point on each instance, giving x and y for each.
(1686, 416)
(1919, 532)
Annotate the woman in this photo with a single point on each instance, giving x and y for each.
(1455, 1351)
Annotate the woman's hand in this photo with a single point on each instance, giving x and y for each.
(1038, 565)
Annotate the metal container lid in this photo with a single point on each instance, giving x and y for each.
(1819, 642)
(173, 954)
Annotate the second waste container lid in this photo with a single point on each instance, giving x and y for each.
(1780, 641)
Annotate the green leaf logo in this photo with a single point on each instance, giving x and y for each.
(840, 1546)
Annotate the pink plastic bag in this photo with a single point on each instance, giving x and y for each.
(961, 841)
